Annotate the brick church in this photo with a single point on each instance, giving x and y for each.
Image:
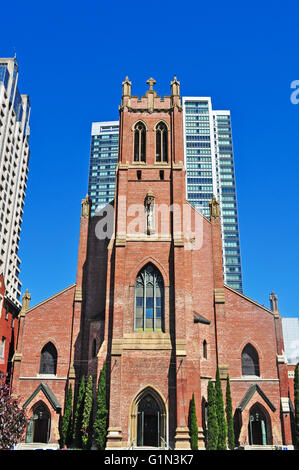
(150, 300)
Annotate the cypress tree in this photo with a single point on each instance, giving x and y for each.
(193, 428)
(87, 413)
(212, 432)
(220, 414)
(66, 428)
(296, 405)
(77, 435)
(101, 418)
(229, 417)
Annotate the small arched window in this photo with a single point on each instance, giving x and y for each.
(161, 142)
(149, 300)
(205, 350)
(139, 142)
(250, 361)
(48, 359)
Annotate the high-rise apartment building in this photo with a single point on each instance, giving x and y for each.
(209, 162)
(14, 158)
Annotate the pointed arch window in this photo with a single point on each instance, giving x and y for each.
(149, 300)
(139, 142)
(48, 359)
(250, 361)
(205, 350)
(161, 142)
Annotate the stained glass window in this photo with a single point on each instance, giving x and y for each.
(149, 299)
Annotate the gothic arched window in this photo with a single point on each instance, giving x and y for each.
(149, 300)
(250, 361)
(48, 359)
(139, 142)
(161, 142)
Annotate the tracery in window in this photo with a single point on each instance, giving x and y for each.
(149, 300)
(161, 142)
(139, 142)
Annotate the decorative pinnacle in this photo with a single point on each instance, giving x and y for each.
(175, 86)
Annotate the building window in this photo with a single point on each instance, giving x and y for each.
(48, 360)
(161, 142)
(139, 142)
(250, 361)
(205, 349)
(2, 347)
(149, 300)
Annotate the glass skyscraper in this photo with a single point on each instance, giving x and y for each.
(209, 163)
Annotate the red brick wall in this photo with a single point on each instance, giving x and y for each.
(49, 322)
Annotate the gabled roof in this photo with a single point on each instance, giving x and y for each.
(50, 298)
(249, 394)
(48, 394)
(249, 299)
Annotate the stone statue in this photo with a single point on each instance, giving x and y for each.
(149, 210)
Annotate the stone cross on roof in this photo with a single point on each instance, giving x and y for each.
(151, 82)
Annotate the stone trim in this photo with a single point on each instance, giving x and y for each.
(219, 296)
(141, 341)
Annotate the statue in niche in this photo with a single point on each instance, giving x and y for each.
(149, 212)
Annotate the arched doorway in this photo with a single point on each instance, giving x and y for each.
(148, 422)
(258, 427)
(38, 429)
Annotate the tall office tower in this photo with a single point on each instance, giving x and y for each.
(103, 160)
(14, 158)
(209, 162)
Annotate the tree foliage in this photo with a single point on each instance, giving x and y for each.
(66, 430)
(212, 432)
(101, 418)
(13, 419)
(229, 417)
(87, 414)
(77, 424)
(221, 445)
(193, 428)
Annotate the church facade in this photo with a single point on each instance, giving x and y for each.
(149, 300)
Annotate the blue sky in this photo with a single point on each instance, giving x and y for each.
(73, 58)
